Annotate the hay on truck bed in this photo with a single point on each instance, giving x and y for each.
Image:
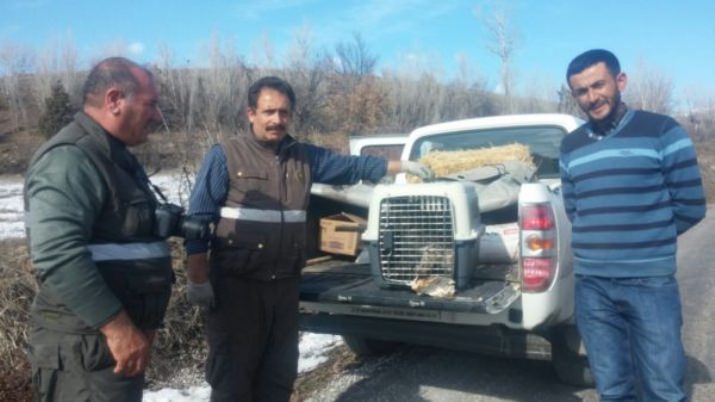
(445, 163)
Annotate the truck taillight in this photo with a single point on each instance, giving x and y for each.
(536, 217)
(537, 275)
(538, 246)
(536, 242)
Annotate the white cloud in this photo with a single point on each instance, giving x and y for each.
(136, 48)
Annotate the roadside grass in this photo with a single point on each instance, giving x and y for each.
(17, 290)
(338, 360)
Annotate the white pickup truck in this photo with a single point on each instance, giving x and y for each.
(509, 266)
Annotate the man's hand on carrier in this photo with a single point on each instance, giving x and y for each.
(417, 169)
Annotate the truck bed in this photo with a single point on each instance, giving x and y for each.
(341, 282)
(342, 298)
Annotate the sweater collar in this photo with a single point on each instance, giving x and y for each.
(622, 116)
(611, 123)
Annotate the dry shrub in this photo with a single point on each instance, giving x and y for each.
(336, 141)
(444, 163)
(339, 359)
(706, 160)
(17, 290)
(180, 344)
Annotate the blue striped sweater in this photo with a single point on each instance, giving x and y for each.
(629, 194)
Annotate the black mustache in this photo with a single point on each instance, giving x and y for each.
(276, 127)
(597, 104)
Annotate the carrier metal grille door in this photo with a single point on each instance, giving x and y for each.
(416, 238)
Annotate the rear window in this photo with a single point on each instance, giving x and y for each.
(543, 143)
(387, 151)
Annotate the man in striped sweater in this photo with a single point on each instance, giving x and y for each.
(631, 185)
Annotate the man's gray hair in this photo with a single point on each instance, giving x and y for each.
(112, 71)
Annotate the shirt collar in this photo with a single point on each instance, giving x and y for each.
(615, 124)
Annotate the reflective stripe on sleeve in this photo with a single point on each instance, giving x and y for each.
(262, 215)
(128, 251)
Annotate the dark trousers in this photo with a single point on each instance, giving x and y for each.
(77, 368)
(253, 340)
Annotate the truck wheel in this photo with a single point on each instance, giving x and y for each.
(362, 346)
(571, 367)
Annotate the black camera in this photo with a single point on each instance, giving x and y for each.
(170, 220)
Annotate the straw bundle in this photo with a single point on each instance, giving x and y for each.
(444, 163)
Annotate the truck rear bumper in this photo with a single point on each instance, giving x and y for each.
(494, 339)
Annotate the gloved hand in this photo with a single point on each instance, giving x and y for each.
(417, 169)
(200, 294)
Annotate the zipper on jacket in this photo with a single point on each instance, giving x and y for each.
(280, 182)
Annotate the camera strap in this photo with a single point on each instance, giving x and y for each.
(158, 192)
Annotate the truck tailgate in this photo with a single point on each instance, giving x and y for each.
(353, 284)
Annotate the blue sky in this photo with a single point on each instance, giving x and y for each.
(673, 37)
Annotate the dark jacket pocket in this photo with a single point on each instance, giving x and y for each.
(251, 182)
(94, 353)
(45, 360)
(240, 255)
(45, 356)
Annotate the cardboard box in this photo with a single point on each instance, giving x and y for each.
(341, 233)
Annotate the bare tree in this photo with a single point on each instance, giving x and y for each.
(503, 40)
(307, 69)
(414, 99)
(57, 62)
(355, 106)
(698, 116)
(354, 58)
(649, 89)
(355, 99)
(262, 53)
(465, 96)
(174, 91)
(566, 102)
(218, 90)
(16, 64)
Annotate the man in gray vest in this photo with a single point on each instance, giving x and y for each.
(256, 188)
(104, 275)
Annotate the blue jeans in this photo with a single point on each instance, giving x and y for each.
(631, 330)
